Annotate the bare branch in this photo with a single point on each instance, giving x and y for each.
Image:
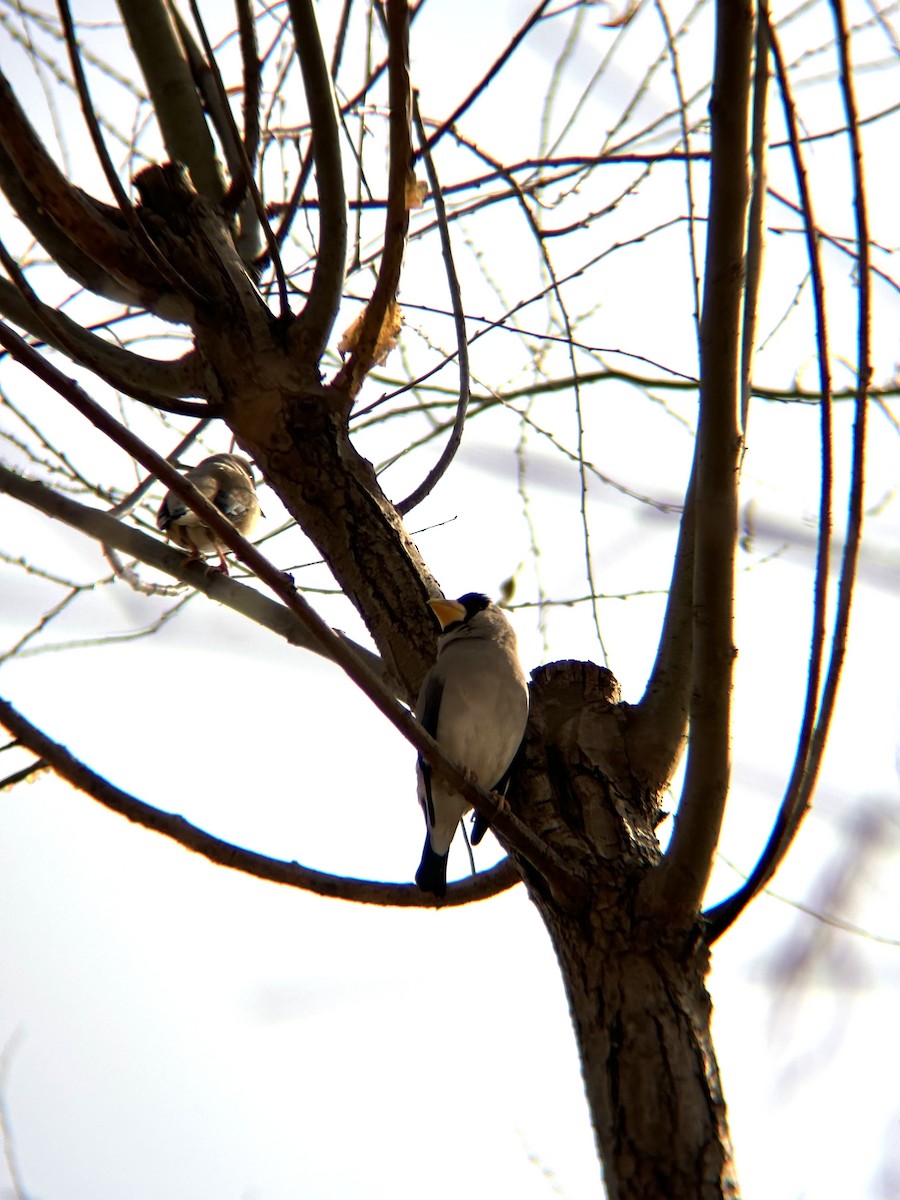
(233, 139)
(76, 347)
(798, 795)
(492, 72)
(676, 888)
(291, 874)
(156, 553)
(172, 379)
(756, 216)
(175, 99)
(137, 230)
(459, 319)
(778, 843)
(88, 224)
(365, 349)
(317, 319)
(26, 773)
(63, 250)
(658, 728)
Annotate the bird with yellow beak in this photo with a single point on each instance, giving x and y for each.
(474, 703)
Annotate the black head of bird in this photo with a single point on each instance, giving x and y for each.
(474, 703)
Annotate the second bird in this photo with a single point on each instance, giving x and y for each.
(474, 703)
(227, 482)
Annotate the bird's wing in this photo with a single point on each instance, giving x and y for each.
(174, 511)
(430, 705)
(234, 499)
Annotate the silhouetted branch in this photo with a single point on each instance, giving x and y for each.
(676, 887)
(154, 552)
(89, 225)
(290, 874)
(756, 229)
(176, 102)
(232, 137)
(137, 230)
(369, 339)
(459, 319)
(63, 250)
(491, 74)
(328, 274)
(798, 796)
(658, 730)
(149, 376)
(788, 815)
(77, 348)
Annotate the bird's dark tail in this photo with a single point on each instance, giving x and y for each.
(432, 873)
(480, 826)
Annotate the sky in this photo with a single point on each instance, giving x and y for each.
(168, 1027)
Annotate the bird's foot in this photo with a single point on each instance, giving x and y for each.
(502, 802)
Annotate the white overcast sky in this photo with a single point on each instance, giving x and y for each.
(170, 1028)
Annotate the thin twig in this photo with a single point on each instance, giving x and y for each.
(493, 71)
(459, 320)
(155, 553)
(688, 165)
(362, 356)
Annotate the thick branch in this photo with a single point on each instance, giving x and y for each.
(318, 317)
(92, 227)
(175, 100)
(177, 378)
(658, 729)
(242, 168)
(66, 253)
(798, 796)
(291, 874)
(756, 230)
(49, 317)
(676, 888)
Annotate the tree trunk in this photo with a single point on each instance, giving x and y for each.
(593, 770)
(635, 984)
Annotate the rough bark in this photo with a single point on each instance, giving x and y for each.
(635, 982)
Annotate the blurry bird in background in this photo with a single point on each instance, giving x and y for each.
(227, 482)
(474, 703)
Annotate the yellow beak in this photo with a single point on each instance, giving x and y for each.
(447, 611)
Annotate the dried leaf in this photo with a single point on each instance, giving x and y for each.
(416, 191)
(384, 343)
(390, 331)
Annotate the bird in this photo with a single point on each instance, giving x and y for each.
(226, 480)
(474, 703)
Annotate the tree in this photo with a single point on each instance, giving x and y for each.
(234, 241)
